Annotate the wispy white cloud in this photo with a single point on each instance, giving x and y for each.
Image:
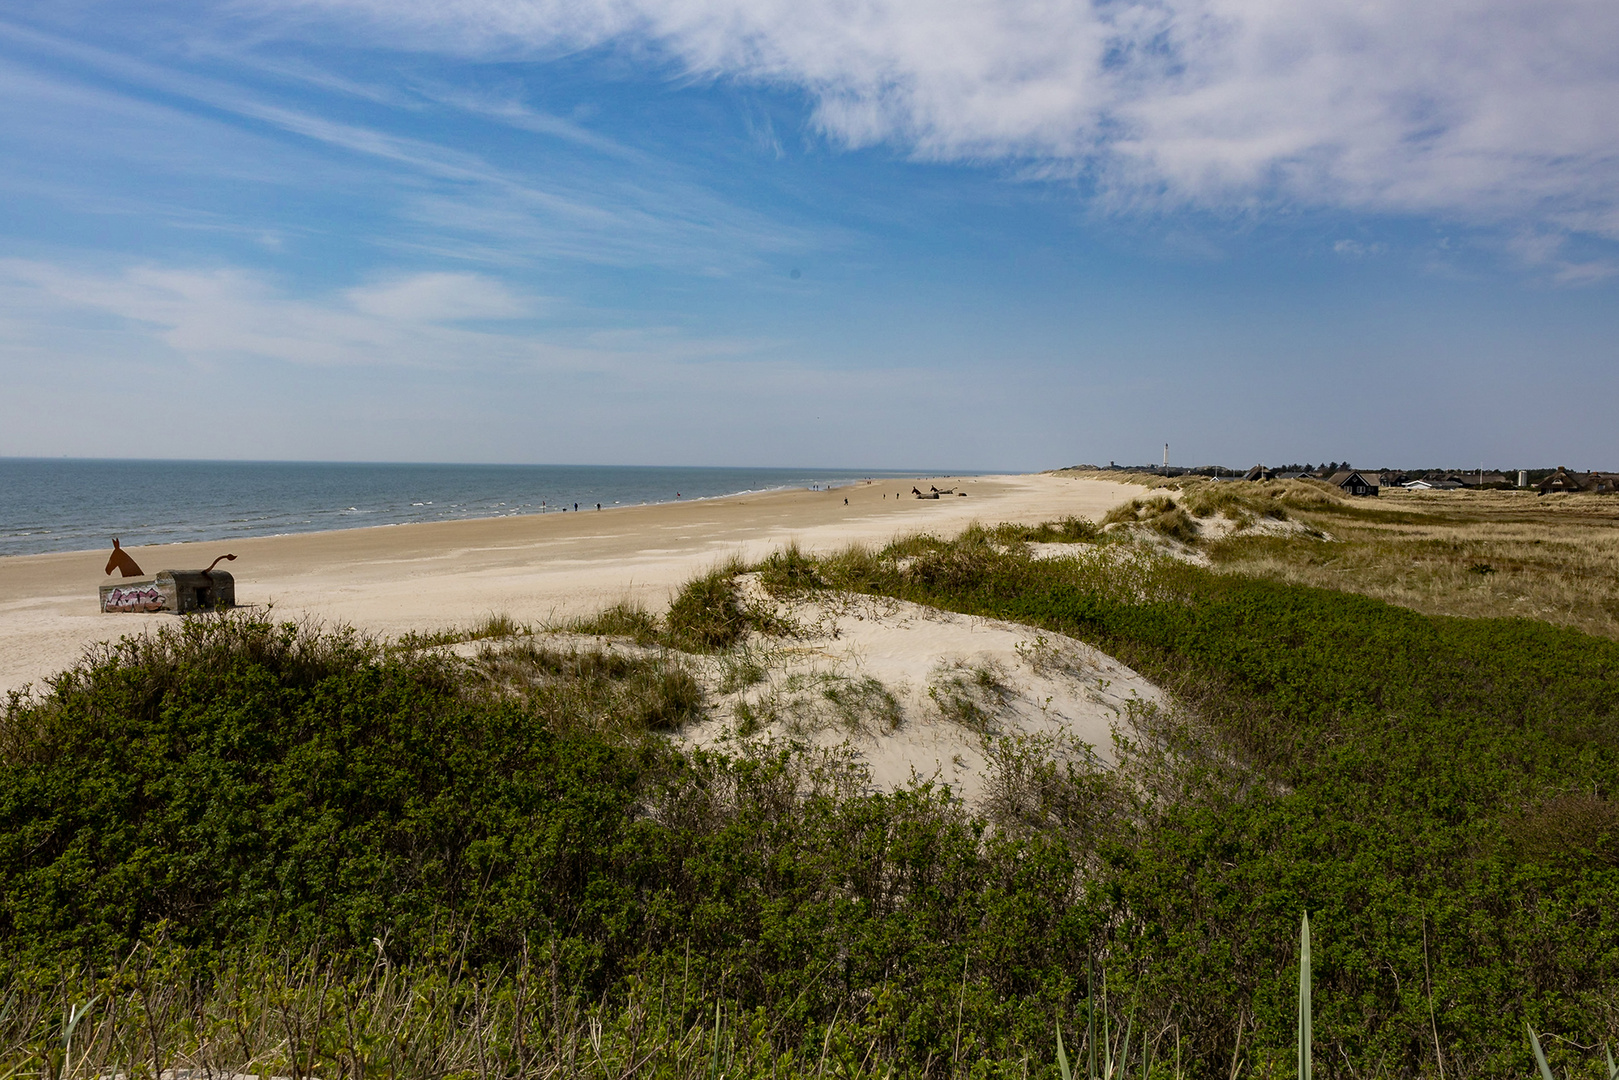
(439, 298)
(1357, 248)
(422, 366)
(635, 210)
(212, 316)
(1485, 110)
(446, 322)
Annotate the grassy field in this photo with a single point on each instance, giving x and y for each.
(247, 846)
(1499, 554)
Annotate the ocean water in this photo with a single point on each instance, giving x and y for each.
(71, 505)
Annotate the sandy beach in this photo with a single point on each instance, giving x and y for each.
(534, 568)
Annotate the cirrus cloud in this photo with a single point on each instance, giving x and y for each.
(1488, 111)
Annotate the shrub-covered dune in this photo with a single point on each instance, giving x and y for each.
(1438, 793)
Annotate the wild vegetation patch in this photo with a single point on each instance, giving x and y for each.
(1552, 558)
(506, 870)
(1159, 513)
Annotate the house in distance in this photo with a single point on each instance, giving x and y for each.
(1355, 482)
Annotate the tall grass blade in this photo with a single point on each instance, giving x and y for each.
(1090, 1016)
(1107, 1034)
(1613, 1070)
(1304, 998)
(1062, 1056)
(1540, 1056)
(714, 1059)
(78, 1013)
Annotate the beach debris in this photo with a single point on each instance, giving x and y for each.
(121, 561)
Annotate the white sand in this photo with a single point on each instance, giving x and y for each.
(918, 693)
(394, 579)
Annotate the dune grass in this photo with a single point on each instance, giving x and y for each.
(1492, 553)
(1159, 513)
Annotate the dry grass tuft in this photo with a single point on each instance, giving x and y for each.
(1470, 553)
(1160, 513)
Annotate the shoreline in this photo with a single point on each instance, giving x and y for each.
(832, 486)
(539, 490)
(392, 579)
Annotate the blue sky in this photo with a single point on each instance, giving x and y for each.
(984, 235)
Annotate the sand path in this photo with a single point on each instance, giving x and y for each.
(535, 568)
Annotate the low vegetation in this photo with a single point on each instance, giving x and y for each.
(250, 846)
(1553, 558)
(1490, 553)
(1409, 779)
(1158, 513)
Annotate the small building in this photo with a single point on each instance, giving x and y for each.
(176, 591)
(1571, 481)
(1355, 482)
(1431, 485)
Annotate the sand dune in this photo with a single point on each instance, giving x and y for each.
(422, 577)
(912, 692)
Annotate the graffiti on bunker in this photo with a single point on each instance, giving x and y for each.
(137, 598)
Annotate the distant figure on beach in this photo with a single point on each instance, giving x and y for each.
(576, 508)
(677, 494)
(121, 562)
(845, 502)
(598, 506)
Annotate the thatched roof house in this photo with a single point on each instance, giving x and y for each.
(1566, 481)
(1355, 482)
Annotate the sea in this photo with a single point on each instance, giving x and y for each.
(50, 504)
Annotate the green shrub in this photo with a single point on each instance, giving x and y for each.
(1404, 777)
(1436, 792)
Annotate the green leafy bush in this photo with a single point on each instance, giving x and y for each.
(1436, 792)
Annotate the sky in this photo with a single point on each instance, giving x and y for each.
(953, 234)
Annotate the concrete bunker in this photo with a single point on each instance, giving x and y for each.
(178, 591)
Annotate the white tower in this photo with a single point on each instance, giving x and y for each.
(1166, 455)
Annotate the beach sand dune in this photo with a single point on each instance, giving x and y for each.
(914, 693)
(537, 568)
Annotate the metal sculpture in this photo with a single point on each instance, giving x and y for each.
(209, 573)
(121, 561)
